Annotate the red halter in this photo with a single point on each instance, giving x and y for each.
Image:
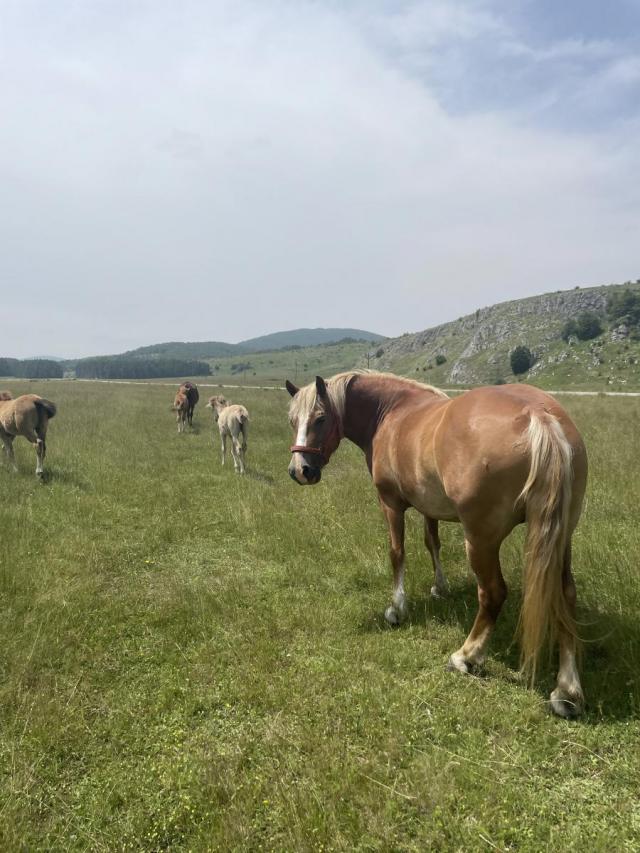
(300, 448)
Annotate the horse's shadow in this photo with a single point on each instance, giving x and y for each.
(67, 477)
(611, 647)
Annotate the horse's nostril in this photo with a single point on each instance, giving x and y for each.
(292, 474)
(311, 473)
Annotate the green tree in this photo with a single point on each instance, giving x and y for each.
(521, 360)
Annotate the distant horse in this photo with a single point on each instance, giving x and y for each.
(181, 408)
(233, 422)
(28, 416)
(190, 390)
(491, 458)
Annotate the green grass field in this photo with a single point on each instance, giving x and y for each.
(299, 365)
(192, 660)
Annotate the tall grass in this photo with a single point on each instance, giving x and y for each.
(192, 660)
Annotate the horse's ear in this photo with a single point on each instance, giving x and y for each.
(321, 387)
(291, 388)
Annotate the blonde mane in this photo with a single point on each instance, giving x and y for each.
(307, 397)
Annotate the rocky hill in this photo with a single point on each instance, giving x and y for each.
(476, 349)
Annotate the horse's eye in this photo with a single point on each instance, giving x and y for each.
(320, 420)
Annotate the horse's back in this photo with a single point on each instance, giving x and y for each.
(25, 414)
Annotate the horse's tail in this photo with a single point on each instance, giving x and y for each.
(243, 421)
(45, 408)
(547, 499)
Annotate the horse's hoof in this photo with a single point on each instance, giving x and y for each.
(392, 616)
(457, 663)
(566, 706)
(439, 592)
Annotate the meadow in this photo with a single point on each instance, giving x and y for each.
(194, 660)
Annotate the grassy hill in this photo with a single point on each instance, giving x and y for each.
(476, 349)
(300, 364)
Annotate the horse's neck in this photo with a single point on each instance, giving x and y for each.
(367, 403)
(365, 408)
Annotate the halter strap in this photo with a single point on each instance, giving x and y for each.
(301, 448)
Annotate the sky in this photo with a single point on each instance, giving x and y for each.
(220, 170)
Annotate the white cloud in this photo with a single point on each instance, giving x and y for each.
(214, 171)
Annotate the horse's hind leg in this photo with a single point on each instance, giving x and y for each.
(397, 610)
(432, 542)
(238, 455)
(235, 452)
(41, 449)
(567, 699)
(492, 592)
(7, 441)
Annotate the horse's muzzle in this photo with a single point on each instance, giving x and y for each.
(311, 474)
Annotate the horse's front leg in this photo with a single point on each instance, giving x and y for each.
(432, 542)
(397, 610)
(223, 440)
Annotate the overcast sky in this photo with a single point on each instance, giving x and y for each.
(218, 170)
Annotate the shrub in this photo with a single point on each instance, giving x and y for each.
(521, 360)
(440, 359)
(588, 326)
(569, 330)
(625, 308)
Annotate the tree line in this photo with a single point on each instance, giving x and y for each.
(119, 367)
(31, 368)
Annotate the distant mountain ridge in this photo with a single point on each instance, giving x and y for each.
(306, 338)
(275, 341)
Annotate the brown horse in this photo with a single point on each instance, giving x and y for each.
(28, 416)
(181, 408)
(190, 390)
(490, 459)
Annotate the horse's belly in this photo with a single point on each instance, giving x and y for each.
(432, 502)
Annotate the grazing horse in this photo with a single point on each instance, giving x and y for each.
(233, 422)
(190, 390)
(28, 416)
(491, 458)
